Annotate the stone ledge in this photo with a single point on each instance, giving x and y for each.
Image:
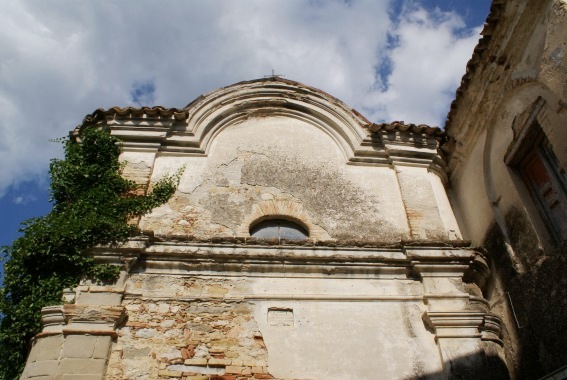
(110, 333)
(111, 315)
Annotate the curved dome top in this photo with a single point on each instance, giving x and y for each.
(210, 113)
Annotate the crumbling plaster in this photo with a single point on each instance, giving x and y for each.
(289, 164)
(383, 272)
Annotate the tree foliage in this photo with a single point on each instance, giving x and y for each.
(92, 204)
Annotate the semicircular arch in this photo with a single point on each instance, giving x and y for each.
(210, 114)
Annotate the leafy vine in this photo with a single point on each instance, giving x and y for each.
(92, 204)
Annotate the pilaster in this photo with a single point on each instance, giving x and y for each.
(76, 338)
(465, 332)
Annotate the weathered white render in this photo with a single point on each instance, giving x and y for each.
(383, 287)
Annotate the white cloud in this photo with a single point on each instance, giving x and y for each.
(61, 60)
(24, 199)
(427, 61)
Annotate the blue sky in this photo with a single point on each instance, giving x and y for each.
(391, 60)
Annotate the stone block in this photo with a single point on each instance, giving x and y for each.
(171, 355)
(169, 373)
(234, 369)
(246, 371)
(163, 308)
(47, 348)
(167, 324)
(78, 377)
(187, 353)
(217, 349)
(137, 324)
(133, 352)
(258, 370)
(42, 368)
(202, 370)
(78, 346)
(146, 333)
(263, 376)
(72, 366)
(197, 377)
(99, 299)
(196, 361)
(102, 347)
(219, 362)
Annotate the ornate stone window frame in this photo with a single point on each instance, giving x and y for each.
(531, 157)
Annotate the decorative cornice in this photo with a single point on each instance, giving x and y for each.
(400, 126)
(133, 113)
(52, 319)
(284, 260)
(464, 324)
(190, 131)
(80, 319)
(107, 317)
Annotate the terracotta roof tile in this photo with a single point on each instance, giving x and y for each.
(102, 114)
(403, 127)
(181, 114)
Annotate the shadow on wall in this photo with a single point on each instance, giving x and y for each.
(538, 296)
(471, 367)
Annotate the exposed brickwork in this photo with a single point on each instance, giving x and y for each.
(189, 340)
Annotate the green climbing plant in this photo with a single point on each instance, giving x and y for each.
(92, 204)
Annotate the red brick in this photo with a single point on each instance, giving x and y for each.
(137, 324)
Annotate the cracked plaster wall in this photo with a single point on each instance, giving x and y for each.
(200, 326)
(291, 164)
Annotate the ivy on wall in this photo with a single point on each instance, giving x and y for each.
(92, 204)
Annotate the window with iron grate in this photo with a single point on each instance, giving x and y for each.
(540, 171)
(279, 229)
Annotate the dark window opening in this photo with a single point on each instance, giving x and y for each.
(279, 229)
(540, 171)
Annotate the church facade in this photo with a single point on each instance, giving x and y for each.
(305, 242)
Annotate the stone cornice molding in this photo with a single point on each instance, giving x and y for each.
(427, 262)
(105, 317)
(455, 324)
(71, 319)
(464, 324)
(281, 260)
(230, 105)
(52, 319)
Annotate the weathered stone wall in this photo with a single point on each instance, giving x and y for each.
(273, 312)
(221, 311)
(383, 287)
(164, 339)
(270, 148)
(215, 328)
(277, 165)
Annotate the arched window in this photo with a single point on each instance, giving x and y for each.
(279, 229)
